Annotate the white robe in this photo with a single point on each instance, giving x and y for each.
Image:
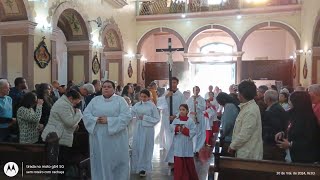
(183, 146)
(131, 126)
(109, 150)
(143, 137)
(212, 113)
(163, 104)
(200, 138)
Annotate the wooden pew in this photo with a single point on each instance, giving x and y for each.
(35, 154)
(28, 153)
(243, 169)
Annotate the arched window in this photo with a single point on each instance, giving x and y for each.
(217, 47)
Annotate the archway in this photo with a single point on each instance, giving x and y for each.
(147, 45)
(212, 48)
(16, 44)
(271, 43)
(286, 27)
(76, 30)
(212, 27)
(315, 77)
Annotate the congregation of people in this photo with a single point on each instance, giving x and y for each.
(261, 123)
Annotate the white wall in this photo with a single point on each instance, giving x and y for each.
(14, 61)
(310, 11)
(274, 44)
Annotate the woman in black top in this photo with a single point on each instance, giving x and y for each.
(303, 135)
(44, 92)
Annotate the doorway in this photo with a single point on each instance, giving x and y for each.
(219, 74)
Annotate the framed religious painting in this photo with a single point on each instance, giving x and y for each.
(143, 73)
(305, 69)
(130, 70)
(41, 54)
(95, 64)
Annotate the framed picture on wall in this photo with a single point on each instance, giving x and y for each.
(41, 54)
(130, 70)
(95, 64)
(143, 73)
(294, 70)
(305, 69)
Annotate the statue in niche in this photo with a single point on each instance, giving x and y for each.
(42, 55)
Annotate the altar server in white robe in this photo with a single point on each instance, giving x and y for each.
(106, 119)
(210, 114)
(147, 116)
(162, 106)
(197, 105)
(184, 129)
(177, 100)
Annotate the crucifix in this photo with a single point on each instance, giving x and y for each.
(170, 51)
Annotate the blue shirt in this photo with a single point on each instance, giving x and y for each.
(5, 109)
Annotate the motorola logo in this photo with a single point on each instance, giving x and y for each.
(11, 169)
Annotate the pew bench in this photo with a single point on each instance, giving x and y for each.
(36, 154)
(27, 153)
(225, 168)
(22, 155)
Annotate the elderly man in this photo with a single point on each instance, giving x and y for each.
(5, 111)
(247, 133)
(260, 99)
(85, 90)
(275, 120)
(55, 89)
(314, 91)
(97, 87)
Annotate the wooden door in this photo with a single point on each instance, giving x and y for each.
(280, 70)
(160, 71)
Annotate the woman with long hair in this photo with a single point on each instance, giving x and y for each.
(228, 118)
(129, 92)
(302, 139)
(44, 92)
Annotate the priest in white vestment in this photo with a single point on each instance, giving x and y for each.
(197, 105)
(106, 118)
(147, 116)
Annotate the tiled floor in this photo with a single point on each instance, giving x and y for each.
(161, 169)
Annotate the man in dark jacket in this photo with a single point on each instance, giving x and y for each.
(275, 120)
(260, 99)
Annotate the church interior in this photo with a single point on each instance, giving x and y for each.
(214, 42)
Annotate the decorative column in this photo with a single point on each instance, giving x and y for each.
(139, 79)
(18, 31)
(297, 68)
(139, 70)
(239, 67)
(54, 63)
(80, 48)
(315, 61)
